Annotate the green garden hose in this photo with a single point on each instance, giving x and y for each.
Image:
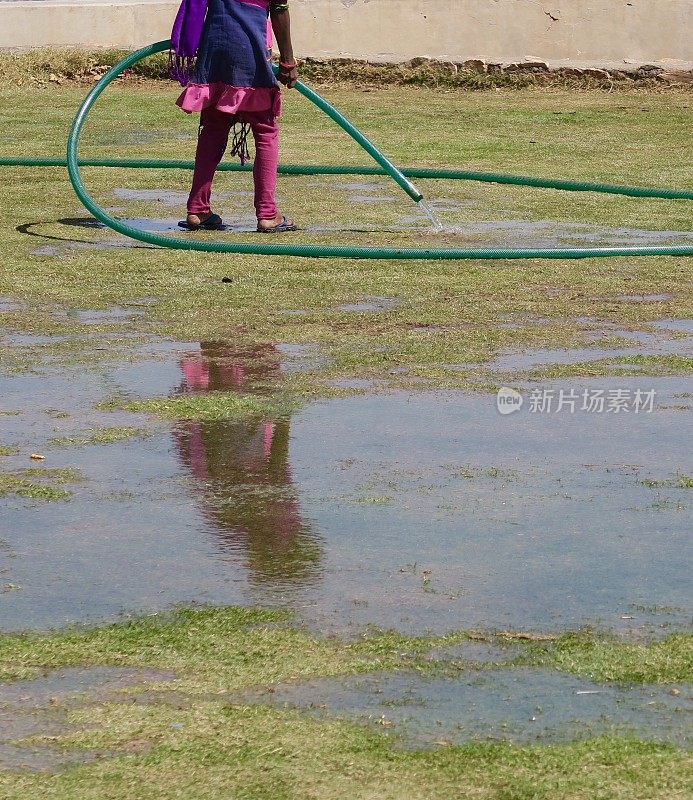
(320, 251)
(359, 138)
(430, 173)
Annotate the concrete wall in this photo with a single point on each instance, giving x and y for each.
(579, 32)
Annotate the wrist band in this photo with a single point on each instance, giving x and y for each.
(279, 7)
(287, 66)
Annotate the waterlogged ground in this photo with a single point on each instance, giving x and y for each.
(41, 707)
(376, 207)
(391, 579)
(427, 511)
(519, 705)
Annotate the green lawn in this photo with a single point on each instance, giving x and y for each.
(637, 138)
(190, 739)
(187, 742)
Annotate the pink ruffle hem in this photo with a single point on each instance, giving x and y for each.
(230, 99)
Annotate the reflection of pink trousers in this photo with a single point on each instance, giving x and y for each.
(211, 146)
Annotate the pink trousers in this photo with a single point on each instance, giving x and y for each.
(211, 146)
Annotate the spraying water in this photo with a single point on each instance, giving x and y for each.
(431, 214)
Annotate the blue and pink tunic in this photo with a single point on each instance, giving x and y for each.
(233, 73)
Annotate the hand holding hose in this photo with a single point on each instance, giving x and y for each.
(288, 75)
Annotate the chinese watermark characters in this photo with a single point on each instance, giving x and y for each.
(573, 401)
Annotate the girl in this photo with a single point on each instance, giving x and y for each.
(220, 52)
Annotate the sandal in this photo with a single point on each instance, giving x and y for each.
(213, 223)
(283, 227)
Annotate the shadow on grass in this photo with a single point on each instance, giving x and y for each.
(89, 223)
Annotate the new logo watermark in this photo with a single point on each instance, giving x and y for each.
(508, 400)
(573, 401)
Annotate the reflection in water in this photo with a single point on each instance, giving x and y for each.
(244, 479)
(541, 522)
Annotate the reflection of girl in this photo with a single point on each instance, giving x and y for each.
(219, 367)
(243, 468)
(220, 54)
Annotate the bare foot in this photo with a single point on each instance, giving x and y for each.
(198, 219)
(267, 224)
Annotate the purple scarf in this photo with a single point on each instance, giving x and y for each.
(185, 39)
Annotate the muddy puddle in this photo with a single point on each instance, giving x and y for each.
(643, 298)
(643, 343)
(375, 206)
(39, 707)
(369, 304)
(107, 316)
(9, 304)
(675, 325)
(421, 511)
(666, 337)
(518, 705)
(541, 233)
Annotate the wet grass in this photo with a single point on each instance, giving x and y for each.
(234, 648)
(199, 742)
(606, 659)
(623, 366)
(66, 343)
(258, 753)
(446, 314)
(209, 406)
(374, 500)
(38, 483)
(215, 750)
(99, 436)
(16, 484)
(8, 450)
(497, 472)
(213, 648)
(678, 482)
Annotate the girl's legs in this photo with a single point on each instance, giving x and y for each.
(211, 146)
(266, 135)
